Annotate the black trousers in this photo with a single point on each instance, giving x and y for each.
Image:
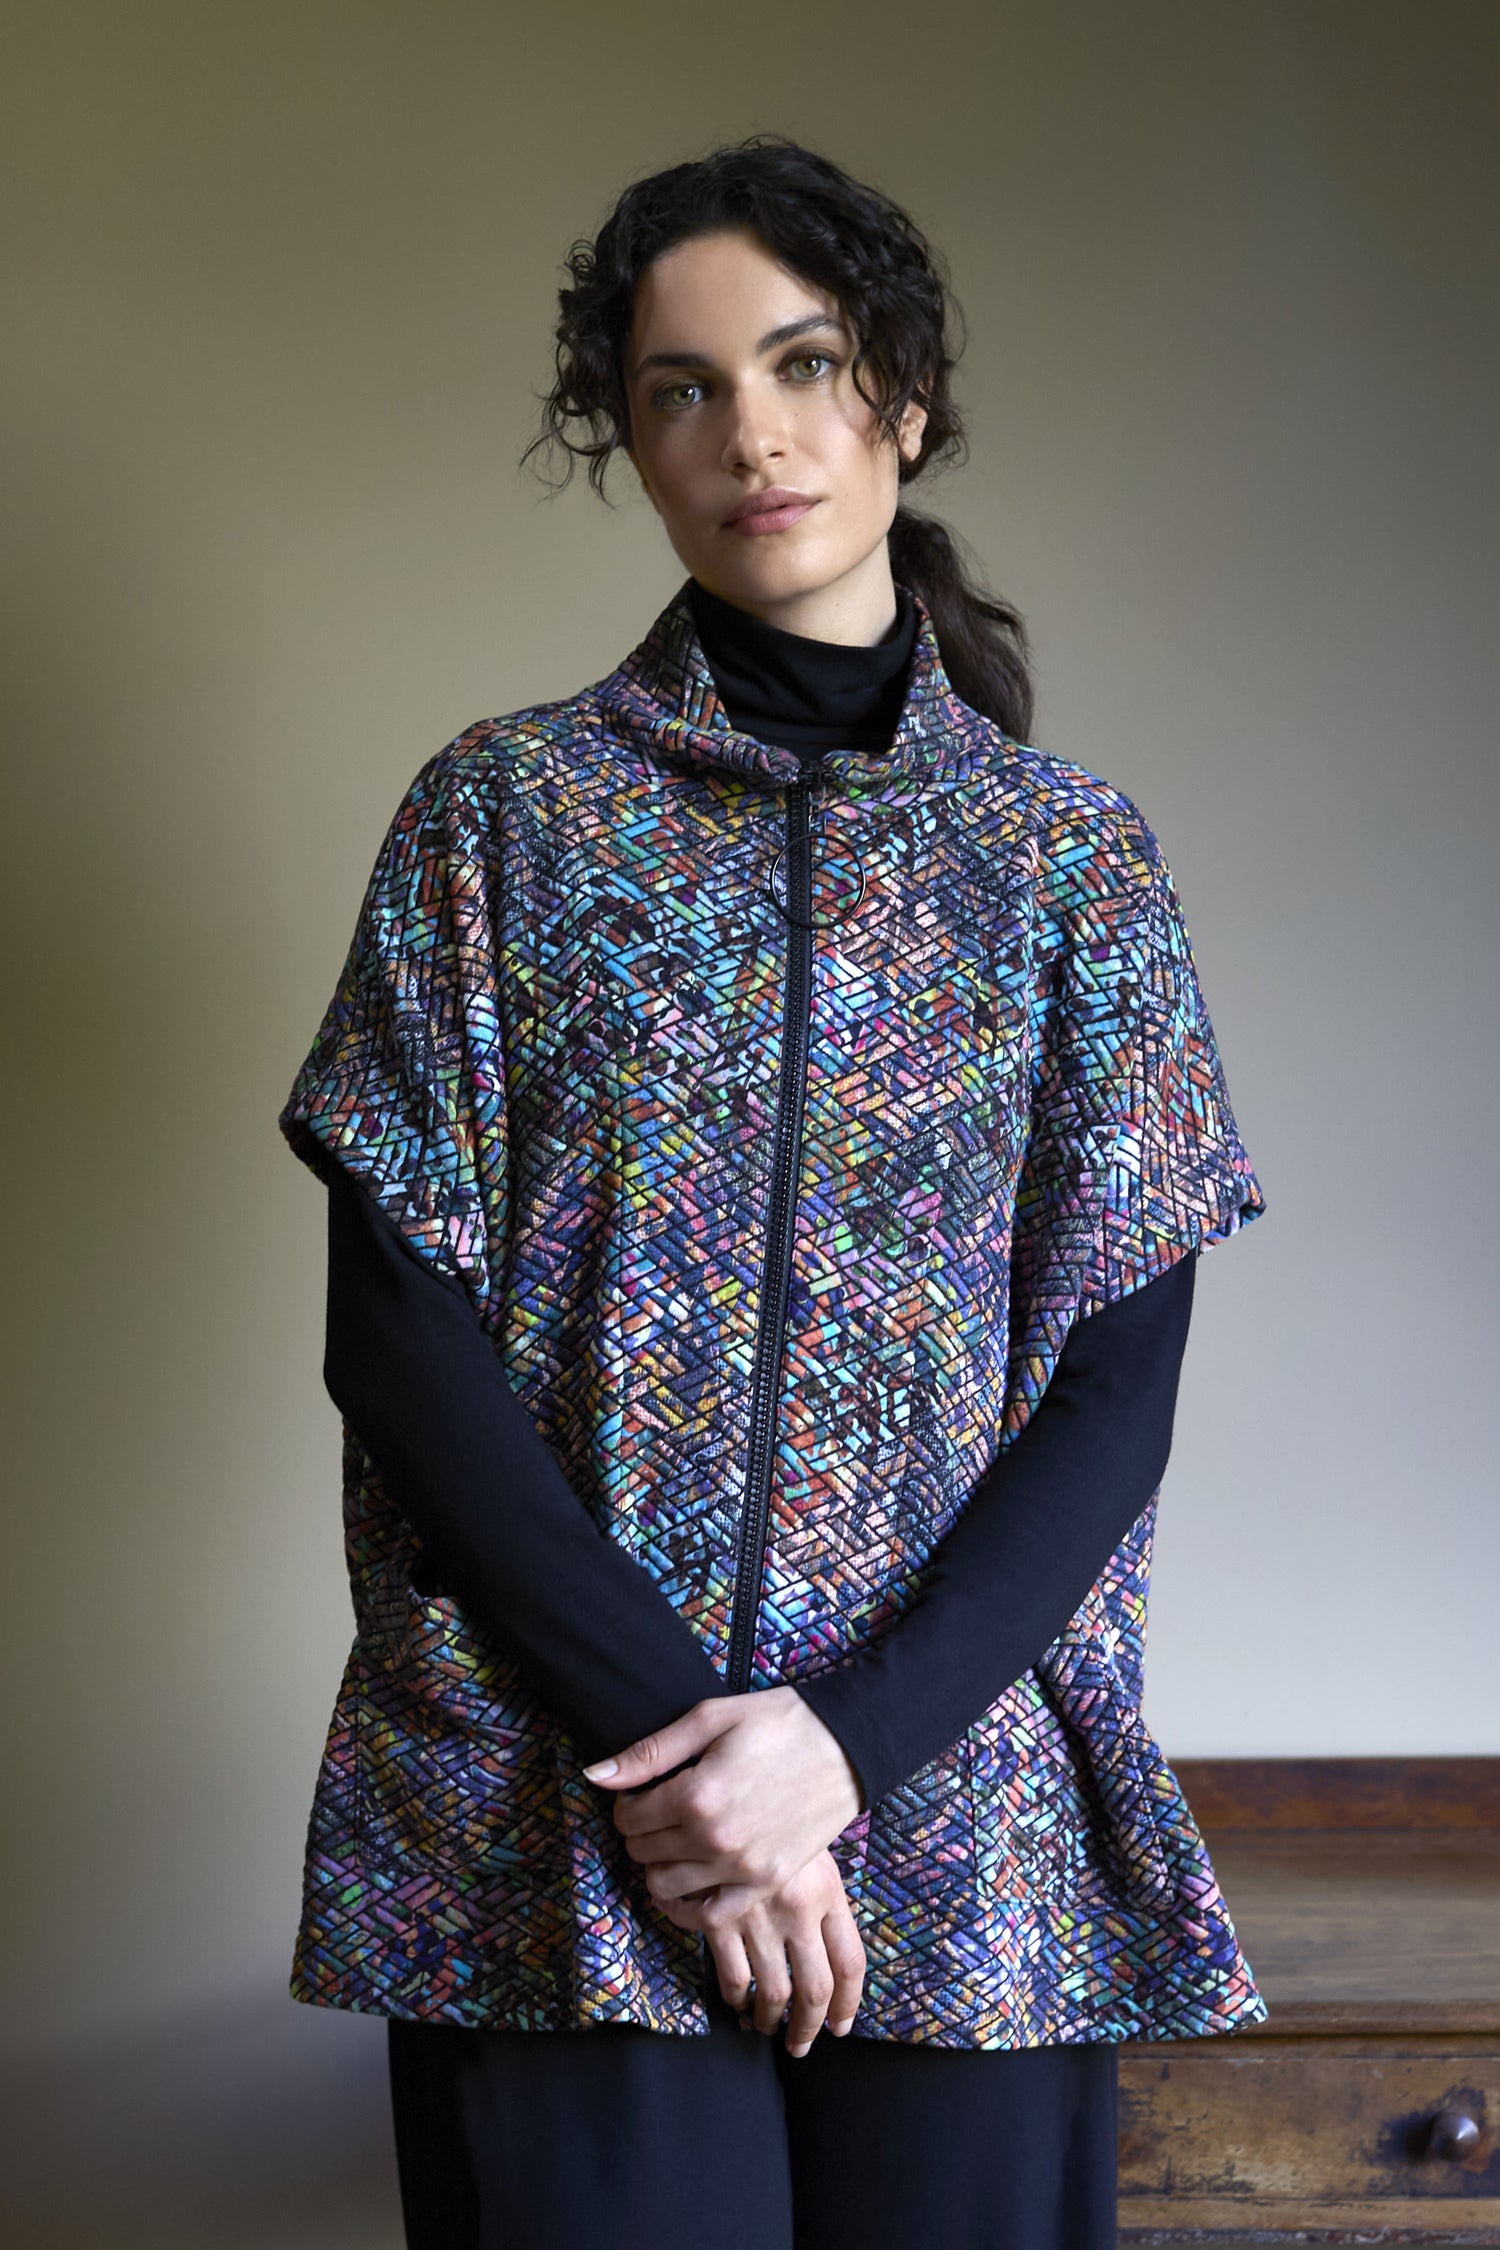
(610, 2136)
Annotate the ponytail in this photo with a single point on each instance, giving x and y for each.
(982, 640)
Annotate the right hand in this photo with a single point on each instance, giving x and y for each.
(808, 1919)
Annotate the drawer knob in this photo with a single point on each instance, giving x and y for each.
(1452, 2134)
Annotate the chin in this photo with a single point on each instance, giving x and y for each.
(773, 577)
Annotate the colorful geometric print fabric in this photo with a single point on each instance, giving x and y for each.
(554, 1058)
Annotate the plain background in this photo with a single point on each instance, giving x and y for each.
(280, 286)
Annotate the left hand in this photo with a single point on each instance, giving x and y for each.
(798, 1946)
(770, 1790)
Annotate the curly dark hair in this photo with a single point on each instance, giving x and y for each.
(857, 244)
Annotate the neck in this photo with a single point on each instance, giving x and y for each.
(800, 692)
(858, 610)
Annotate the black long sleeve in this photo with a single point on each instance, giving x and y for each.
(1038, 1530)
(415, 1376)
(411, 1370)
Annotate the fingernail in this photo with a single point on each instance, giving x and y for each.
(603, 1770)
(840, 2030)
(799, 2050)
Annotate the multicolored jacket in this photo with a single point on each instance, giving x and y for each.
(778, 1127)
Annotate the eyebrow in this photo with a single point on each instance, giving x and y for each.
(768, 342)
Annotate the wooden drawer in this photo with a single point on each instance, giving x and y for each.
(1301, 2135)
(1367, 1894)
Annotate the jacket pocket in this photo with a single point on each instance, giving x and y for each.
(1068, 1791)
(1123, 1771)
(917, 1870)
(1041, 1830)
(453, 1765)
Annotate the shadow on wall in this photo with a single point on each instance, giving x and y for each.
(262, 2128)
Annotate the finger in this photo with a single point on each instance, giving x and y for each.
(657, 1754)
(654, 1844)
(812, 1987)
(733, 1965)
(714, 1911)
(689, 1912)
(673, 1879)
(766, 1947)
(729, 1905)
(647, 1812)
(661, 1804)
(846, 1958)
(685, 1830)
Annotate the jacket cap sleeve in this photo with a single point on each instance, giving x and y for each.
(402, 1087)
(1134, 1158)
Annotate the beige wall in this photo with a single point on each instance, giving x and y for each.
(280, 284)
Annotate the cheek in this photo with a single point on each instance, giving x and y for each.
(868, 482)
(866, 470)
(678, 475)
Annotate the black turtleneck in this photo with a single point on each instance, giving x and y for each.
(802, 694)
(415, 1376)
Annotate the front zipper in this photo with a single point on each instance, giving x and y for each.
(770, 1334)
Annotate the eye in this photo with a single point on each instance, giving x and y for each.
(665, 400)
(660, 398)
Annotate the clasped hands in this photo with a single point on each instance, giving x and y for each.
(736, 1846)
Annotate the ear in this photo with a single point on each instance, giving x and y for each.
(913, 423)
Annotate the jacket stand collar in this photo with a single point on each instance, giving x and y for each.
(664, 696)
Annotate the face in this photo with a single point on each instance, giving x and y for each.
(738, 379)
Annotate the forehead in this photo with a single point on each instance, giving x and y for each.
(725, 288)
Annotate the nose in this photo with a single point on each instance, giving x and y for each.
(755, 432)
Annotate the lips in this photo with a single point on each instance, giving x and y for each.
(772, 511)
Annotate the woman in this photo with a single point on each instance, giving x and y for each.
(770, 1120)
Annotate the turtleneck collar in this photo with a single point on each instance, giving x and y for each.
(803, 694)
(664, 699)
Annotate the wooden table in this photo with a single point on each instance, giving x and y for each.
(1366, 1894)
